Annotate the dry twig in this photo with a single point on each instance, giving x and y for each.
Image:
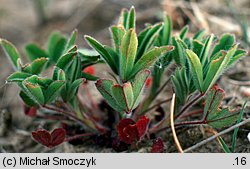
(177, 143)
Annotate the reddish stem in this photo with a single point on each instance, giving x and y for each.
(188, 105)
(71, 115)
(192, 113)
(197, 122)
(52, 117)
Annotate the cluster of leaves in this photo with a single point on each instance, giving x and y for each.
(200, 62)
(129, 58)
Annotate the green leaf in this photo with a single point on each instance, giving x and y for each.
(223, 145)
(34, 51)
(184, 31)
(195, 68)
(123, 17)
(73, 89)
(237, 129)
(123, 94)
(89, 77)
(11, 51)
(222, 118)
(117, 33)
(36, 66)
(74, 70)
(26, 99)
(33, 90)
(104, 87)
(131, 18)
(179, 53)
(165, 33)
(149, 58)
(137, 84)
(213, 72)
(71, 41)
(18, 77)
(238, 54)
(103, 52)
(113, 54)
(128, 51)
(225, 43)
(52, 91)
(216, 117)
(199, 35)
(205, 51)
(143, 33)
(197, 47)
(148, 40)
(180, 83)
(56, 45)
(89, 58)
(65, 60)
(217, 67)
(58, 74)
(43, 81)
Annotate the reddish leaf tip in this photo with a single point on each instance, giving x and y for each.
(158, 146)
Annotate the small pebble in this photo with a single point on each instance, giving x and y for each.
(245, 91)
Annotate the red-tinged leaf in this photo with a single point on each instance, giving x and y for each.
(30, 111)
(42, 136)
(49, 139)
(121, 127)
(124, 123)
(123, 94)
(58, 136)
(131, 134)
(158, 146)
(142, 126)
(89, 70)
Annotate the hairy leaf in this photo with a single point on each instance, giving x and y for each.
(128, 51)
(117, 33)
(196, 69)
(56, 45)
(11, 51)
(104, 87)
(214, 115)
(217, 67)
(149, 59)
(36, 66)
(18, 77)
(131, 18)
(225, 43)
(71, 41)
(148, 40)
(103, 52)
(137, 84)
(65, 60)
(34, 51)
(123, 94)
(52, 91)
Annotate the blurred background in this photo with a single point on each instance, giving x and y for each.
(24, 21)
